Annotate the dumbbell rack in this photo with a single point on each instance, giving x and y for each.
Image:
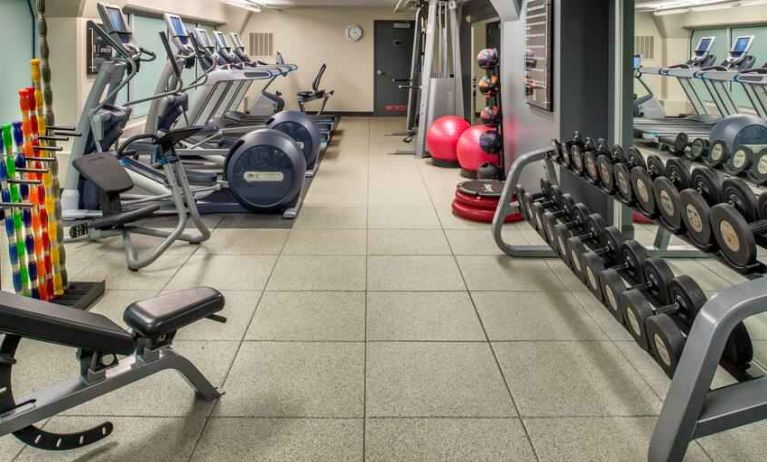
(691, 409)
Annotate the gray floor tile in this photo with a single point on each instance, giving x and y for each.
(331, 218)
(707, 279)
(566, 275)
(598, 312)
(238, 311)
(624, 439)
(334, 316)
(435, 379)
(325, 242)
(422, 316)
(747, 444)
(393, 217)
(535, 316)
(446, 440)
(114, 270)
(307, 273)
(480, 241)
(234, 241)
(407, 242)
(331, 440)
(414, 274)
(507, 274)
(576, 379)
(295, 380)
(224, 272)
(134, 438)
(450, 221)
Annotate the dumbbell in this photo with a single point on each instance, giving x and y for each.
(740, 161)
(666, 191)
(566, 158)
(758, 171)
(699, 149)
(684, 298)
(591, 230)
(643, 184)
(590, 161)
(536, 208)
(666, 329)
(589, 262)
(695, 206)
(594, 233)
(578, 154)
(681, 143)
(631, 262)
(717, 154)
(606, 164)
(738, 227)
(548, 191)
(622, 174)
(572, 215)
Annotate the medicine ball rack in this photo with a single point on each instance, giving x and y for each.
(691, 409)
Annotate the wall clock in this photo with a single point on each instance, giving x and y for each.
(354, 33)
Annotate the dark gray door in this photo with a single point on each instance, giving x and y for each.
(393, 49)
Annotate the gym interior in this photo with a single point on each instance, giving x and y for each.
(383, 230)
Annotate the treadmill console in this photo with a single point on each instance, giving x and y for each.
(702, 56)
(117, 26)
(204, 40)
(224, 48)
(239, 48)
(738, 58)
(179, 35)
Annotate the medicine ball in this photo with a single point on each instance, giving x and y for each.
(491, 116)
(491, 142)
(488, 171)
(470, 154)
(442, 139)
(488, 85)
(488, 58)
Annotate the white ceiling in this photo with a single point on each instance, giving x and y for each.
(329, 2)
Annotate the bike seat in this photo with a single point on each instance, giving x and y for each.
(168, 313)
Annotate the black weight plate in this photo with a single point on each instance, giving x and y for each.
(575, 252)
(678, 173)
(545, 187)
(763, 206)
(565, 161)
(528, 199)
(562, 234)
(636, 309)
(658, 275)
(602, 147)
(667, 198)
(538, 211)
(613, 240)
(593, 265)
(549, 221)
(738, 193)
(717, 154)
(633, 256)
(556, 195)
(680, 143)
(655, 166)
(699, 148)
(739, 349)
(605, 166)
(595, 225)
(740, 161)
(592, 169)
(623, 183)
(567, 203)
(687, 297)
(576, 160)
(758, 171)
(666, 342)
(635, 158)
(557, 150)
(580, 215)
(733, 235)
(707, 182)
(618, 154)
(612, 286)
(642, 185)
(696, 214)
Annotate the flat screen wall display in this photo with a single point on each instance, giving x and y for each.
(539, 54)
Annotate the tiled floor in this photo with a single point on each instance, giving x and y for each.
(379, 328)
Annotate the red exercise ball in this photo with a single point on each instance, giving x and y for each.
(470, 154)
(442, 139)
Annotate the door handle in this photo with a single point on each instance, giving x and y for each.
(379, 72)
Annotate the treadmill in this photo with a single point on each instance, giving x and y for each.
(719, 79)
(702, 120)
(754, 82)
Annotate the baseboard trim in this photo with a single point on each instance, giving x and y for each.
(350, 113)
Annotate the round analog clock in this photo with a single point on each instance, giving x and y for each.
(354, 33)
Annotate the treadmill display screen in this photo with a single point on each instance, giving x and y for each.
(221, 39)
(117, 19)
(637, 62)
(237, 41)
(204, 38)
(741, 46)
(178, 27)
(704, 45)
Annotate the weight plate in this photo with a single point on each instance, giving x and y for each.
(655, 166)
(687, 297)
(733, 235)
(549, 221)
(593, 265)
(595, 225)
(618, 154)
(565, 161)
(658, 275)
(568, 204)
(678, 173)
(666, 342)
(763, 206)
(574, 254)
(696, 215)
(635, 158)
(680, 143)
(580, 215)
(527, 200)
(592, 169)
(738, 193)
(562, 234)
(557, 151)
(642, 185)
(739, 349)
(636, 309)
(667, 198)
(633, 256)
(758, 170)
(605, 166)
(576, 159)
(717, 154)
(707, 182)
(699, 148)
(613, 240)
(623, 183)
(740, 161)
(476, 202)
(612, 286)
(545, 187)
(538, 210)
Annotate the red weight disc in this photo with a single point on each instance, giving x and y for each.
(641, 219)
(476, 202)
(479, 215)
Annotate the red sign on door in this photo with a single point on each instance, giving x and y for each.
(395, 107)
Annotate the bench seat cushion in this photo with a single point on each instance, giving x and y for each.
(168, 313)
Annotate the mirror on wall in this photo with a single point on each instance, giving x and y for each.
(539, 53)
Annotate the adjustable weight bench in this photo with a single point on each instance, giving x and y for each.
(146, 350)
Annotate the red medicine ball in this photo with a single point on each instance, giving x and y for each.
(470, 153)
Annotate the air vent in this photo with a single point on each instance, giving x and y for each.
(645, 45)
(261, 44)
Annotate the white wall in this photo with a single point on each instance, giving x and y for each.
(309, 37)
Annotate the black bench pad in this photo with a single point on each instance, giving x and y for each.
(168, 313)
(53, 323)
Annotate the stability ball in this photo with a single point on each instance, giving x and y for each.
(442, 138)
(470, 154)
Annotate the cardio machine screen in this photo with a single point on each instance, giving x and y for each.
(704, 45)
(741, 46)
(117, 19)
(637, 62)
(237, 41)
(178, 26)
(221, 40)
(203, 38)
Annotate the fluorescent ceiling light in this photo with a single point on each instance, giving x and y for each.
(722, 6)
(249, 5)
(671, 11)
